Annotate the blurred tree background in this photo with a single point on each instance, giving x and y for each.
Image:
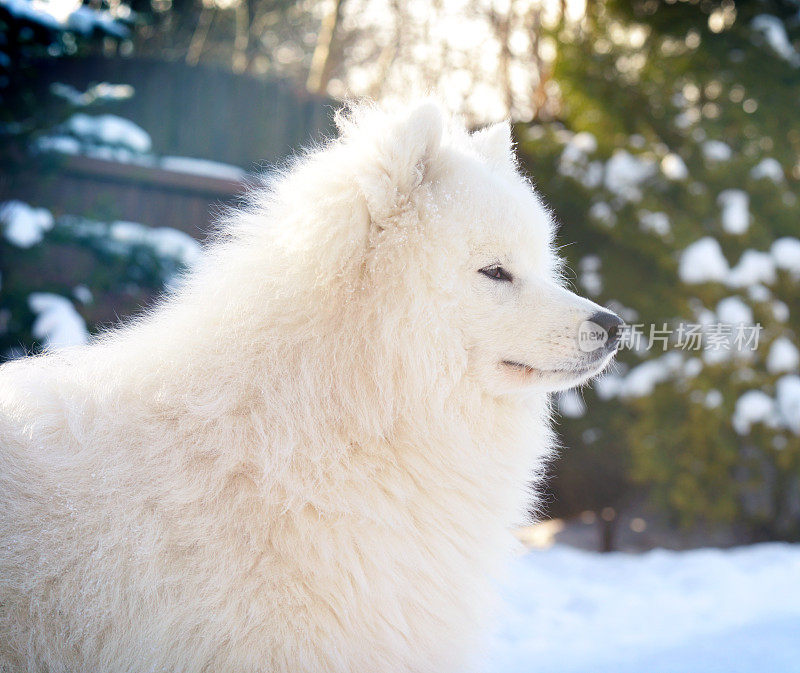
(672, 129)
(662, 132)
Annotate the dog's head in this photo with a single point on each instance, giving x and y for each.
(456, 212)
(438, 225)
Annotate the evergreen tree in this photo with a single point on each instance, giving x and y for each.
(674, 169)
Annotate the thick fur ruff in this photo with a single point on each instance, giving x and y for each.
(297, 462)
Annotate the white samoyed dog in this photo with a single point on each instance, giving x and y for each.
(307, 459)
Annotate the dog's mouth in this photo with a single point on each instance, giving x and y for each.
(519, 366)
(584, 369)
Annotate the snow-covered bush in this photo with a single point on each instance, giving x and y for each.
(33, 33)
(71, 275)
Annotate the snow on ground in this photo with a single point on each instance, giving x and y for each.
(701, 611)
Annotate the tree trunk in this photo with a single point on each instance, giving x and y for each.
(319, 73)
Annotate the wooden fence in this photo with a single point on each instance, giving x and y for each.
(110, 190)
(203, 111)
(199, 112)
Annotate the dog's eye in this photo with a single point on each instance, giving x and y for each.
(497, 272)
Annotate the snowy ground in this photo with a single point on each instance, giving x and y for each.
(702, 611)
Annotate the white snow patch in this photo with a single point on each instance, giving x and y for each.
(783, 356)
(786, 252)
(733, 311)
(674, 167)
(787, 401)
(758, 292)
(735, 205)
(692, 367)
(608, 386)
(773, 30)
(713, 399)
(40, 13)
(688, 117)
(593, 175)
(570, 404)
(716, 150)
(214, 169)
(625, 173)
(709, 610)
(574, 161)
(702, 262)
(754, 406)
(780, 311)
(767, 168)
(578, 146)
(590, 278)
(57, 322)
(24, 226)
(657, 222)
(753, 267)
(642, 379)
(58, 143)
(83, 294)
(603, 213)
(86, 20)
(109, 130)
(103, 91)
(165, 241)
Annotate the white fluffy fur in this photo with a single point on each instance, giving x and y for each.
(307, 459)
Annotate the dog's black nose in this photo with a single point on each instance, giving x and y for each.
(612, 324)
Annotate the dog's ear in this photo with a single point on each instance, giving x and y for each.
(496, 145)
(401, 159)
